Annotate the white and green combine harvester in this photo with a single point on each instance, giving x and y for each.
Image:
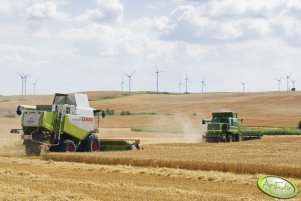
(68, 125)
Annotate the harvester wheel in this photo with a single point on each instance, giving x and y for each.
(33, 150)
(68, 146)
(237, 137)
(212, 139)
(91, 144)
(53, 148)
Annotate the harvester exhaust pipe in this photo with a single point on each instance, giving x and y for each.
(20, 108)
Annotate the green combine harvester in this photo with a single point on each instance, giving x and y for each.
(224, 127)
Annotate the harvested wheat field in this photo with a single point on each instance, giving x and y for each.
(33, 179)
(270, 155)
(173, 166)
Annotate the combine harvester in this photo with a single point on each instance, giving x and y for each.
(68, 125)
(224, 127)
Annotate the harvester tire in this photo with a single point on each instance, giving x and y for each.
(91, 144)
(212, 140)
(53, 148)
(68, 146)
(237, 137)
(32, 150)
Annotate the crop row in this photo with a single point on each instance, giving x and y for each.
(242, 168)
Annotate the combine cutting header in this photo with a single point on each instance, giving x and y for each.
(69, 124)
(224, 127)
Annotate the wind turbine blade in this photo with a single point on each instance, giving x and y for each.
(133, 74)
(156, 68)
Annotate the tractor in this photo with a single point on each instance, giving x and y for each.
(68, 125)
(224, 127)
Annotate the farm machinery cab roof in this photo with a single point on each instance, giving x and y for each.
(223, 116)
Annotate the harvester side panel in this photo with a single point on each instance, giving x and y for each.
(78, 126)
(47, 120)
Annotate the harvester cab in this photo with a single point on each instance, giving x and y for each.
(224, 127)
(69, 124)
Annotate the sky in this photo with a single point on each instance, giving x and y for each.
(75, 45)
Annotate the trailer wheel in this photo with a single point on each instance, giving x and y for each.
(32, 150)
(91, 144)
(68, 146)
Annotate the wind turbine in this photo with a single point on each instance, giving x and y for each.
(34, 86)
(203, 84)
(180, 85)
(157, 72)
(24, 82)
(279, 83)
(293, 83)
(122, 84)
(22, 79)
(287, 82)
(186, 83)
(130, 80)
(25, 78)
(243, 85)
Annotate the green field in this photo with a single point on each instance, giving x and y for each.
(273, 131)
(262, 130)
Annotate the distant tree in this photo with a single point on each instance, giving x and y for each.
(122, 113)
(110, 111)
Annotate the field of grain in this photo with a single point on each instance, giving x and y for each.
(270, 155)
(33, 179)
(173, 165)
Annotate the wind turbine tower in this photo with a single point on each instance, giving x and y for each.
(130, 80)
(22, 79)
(279, 83)
(34, 87)
(287, 82)
(157, 72)
(186, 83)
(203, 85)
(243, 85)
(180, 85)
(122, 84)
(25, 78)
(293, 83)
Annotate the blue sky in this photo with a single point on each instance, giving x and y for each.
(77, 45)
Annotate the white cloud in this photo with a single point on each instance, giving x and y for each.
(19, 53)
(44, 11)
(293, 7)
(105, 11)
(230, 21)
(9, 8)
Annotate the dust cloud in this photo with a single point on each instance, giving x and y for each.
(189, 127)
(10, 144)
(11, 147)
